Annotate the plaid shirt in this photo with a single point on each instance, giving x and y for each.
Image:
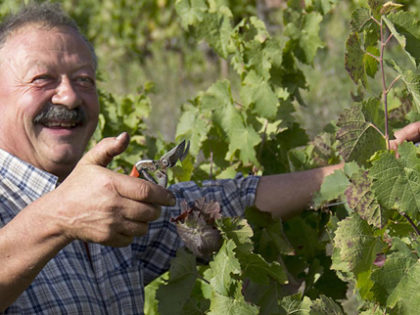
(114, 282)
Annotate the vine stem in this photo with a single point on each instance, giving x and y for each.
(405, 215)
(377, 129)
(384, 87)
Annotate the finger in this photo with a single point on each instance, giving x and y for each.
(119, 240)
(103, 152)
(132, 229)
(145, 212)
(410, 132)
(142, 190)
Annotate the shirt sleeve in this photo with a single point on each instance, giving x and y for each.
(159, 246)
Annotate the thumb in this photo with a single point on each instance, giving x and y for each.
(103, 152)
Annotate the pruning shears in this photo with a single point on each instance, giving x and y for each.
(143, 168)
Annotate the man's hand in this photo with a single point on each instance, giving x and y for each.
(98, 205)
(410, 132)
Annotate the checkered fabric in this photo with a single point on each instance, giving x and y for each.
(114, 283)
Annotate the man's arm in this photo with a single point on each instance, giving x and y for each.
(93, 204)
(285, 195)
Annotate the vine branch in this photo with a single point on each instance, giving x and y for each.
(377, 129)
(393, 82)
(405, 215)
(384, 87)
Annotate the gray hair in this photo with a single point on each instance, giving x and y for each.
(46, 14)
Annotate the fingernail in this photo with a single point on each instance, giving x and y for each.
(121, 135)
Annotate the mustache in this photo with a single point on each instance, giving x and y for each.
(61, 113)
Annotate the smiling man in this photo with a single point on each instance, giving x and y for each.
(76, 237)
(49, 76)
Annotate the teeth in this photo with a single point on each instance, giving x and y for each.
(60, 124)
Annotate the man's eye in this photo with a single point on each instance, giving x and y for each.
(85, 81)
(41, 78)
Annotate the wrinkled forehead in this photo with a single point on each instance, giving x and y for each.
(32, 38)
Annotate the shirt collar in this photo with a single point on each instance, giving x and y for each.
(30, 180)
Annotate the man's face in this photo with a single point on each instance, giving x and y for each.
(39, 69)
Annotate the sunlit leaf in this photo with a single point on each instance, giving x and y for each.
(396, 182)
(357, 136)
(362, 200)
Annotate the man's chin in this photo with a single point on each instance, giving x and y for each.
(62, 163)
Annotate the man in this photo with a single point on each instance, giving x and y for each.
(76, 237)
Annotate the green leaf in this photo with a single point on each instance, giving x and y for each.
(359, 18)
(217, 96)
(405, 27)
(332, 188)
(194, 125)
(358, 139)
(396, 182)
(191, 12)
(177, 291)
(362, 200)
(355, 246)
(242, 139)
(371, 64)
(376, 6)
(325, 305)
(412, 82)
(221, 304)
(397, 265)
(256, 92)
(216, 29)
(405, 298)
(309, 40)
(226, 295)
(354, 59)
(222, 269)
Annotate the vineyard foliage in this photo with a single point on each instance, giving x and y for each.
(356, 251)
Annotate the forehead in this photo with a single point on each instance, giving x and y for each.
(43, 43)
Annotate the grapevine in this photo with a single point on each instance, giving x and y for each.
(356, 250)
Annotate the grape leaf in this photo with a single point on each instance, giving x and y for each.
(332, 188)
(358, 139)
(359, 18)
(221, 304)
(191, 12)
(257, 93)
(405, 298)
(309, 40)
(397, 264)
(241, 137)
(194, 125)
(362, 200)
(396, 182)
(227, 295)
(405, 27)
(354, 59)
(216, 28)
(177, 291)
(412, 82)
(370, 63)
(376, 6)
(355, 246)
(325, 305)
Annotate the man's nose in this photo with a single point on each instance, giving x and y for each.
(65, 94)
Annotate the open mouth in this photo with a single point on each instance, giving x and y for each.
(60, 117)
(60, 124)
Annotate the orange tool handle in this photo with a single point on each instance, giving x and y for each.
(134, 172)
